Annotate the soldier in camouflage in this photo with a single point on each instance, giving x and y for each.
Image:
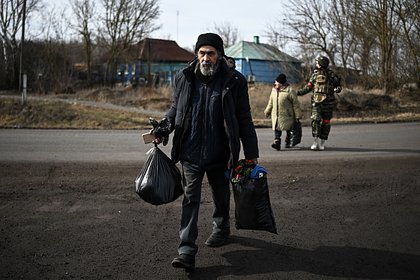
(323, 83)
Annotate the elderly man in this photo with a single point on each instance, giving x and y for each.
(210, 116)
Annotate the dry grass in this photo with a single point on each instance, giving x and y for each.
(145, 98)
(56, 114)
(354, 105)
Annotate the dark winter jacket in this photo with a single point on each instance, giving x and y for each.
(238, 122)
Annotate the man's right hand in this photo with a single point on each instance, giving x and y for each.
(159, 139)
(161, 130)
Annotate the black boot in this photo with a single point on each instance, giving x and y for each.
(184, 261)
(287, 141)
(217, 239)
(276, 144)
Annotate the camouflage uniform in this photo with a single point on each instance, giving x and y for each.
(323, 83)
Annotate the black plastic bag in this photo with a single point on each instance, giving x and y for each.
(296, 134)
(252, 201)
(159, 181)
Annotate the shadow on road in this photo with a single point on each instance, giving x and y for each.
(340, 149)
(349, 262)
(353, 150)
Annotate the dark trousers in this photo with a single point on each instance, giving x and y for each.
(278, 133)
(321, 120)
(192, 181)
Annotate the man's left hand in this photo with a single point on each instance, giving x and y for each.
(254, 160)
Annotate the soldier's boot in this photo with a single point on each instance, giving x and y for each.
(322, 145)
(315, 145)
(276, 144)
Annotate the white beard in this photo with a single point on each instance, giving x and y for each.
(208, 69)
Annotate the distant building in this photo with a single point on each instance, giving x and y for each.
(158, 61)
(262, 63)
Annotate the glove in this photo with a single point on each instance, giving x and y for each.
(337, 90)
(161, 129)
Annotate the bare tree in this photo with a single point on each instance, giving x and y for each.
(125, 22)
(341, 23)
(228, 32)
(52, 67)
(11, 20)
(378, 37)
(379, 18)
(408, 12)
(311, 27)
(84, 11)
(276, 35)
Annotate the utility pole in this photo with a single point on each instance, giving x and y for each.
(22, 80)
(177, 24)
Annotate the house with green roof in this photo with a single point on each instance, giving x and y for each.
(262, 63)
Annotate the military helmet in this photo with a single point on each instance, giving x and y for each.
(322, 61)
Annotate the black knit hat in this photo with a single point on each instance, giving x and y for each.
(281, 79)
(210, 39)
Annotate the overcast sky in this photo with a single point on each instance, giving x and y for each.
(198, 16)
(184, 20)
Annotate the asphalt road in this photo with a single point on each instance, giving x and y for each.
(346, 141)
(68, 210)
